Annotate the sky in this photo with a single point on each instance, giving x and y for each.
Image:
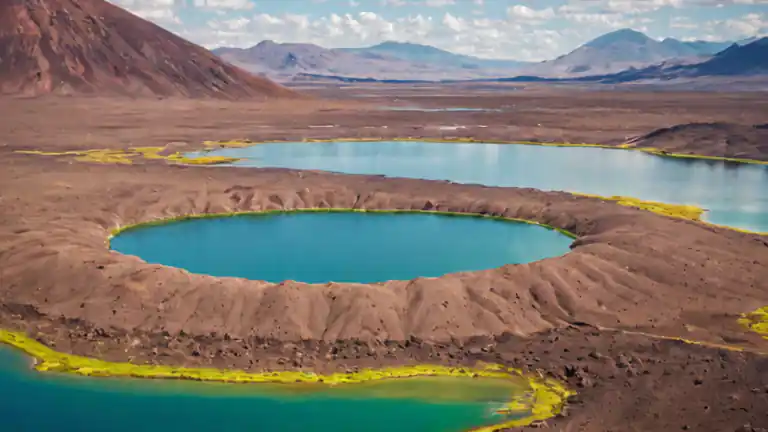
(529, 30)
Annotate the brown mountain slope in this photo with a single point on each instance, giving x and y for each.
(91, 46)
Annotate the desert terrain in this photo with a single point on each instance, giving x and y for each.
(526, 113)
(640, 318)
(596, 317)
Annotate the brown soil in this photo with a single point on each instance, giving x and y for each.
(569, 115)
(713, 139)
(91, 46)
(630, 271)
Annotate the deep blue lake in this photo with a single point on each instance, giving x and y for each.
(733, 194)
(340, 247)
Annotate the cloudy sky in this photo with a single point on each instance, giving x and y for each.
(512, 29)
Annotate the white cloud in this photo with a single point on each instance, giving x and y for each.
(644, 6)
(752, 24)
(485, 37)
(439, 3)
(455, 24)
(524, 12)
(610, 20)
(741, 27)
(161, 12)
(224, 4)
(681, 22)
(524, 33)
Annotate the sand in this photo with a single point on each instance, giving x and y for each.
(569, 316)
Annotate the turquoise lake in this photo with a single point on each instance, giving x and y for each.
(733, 194)
(325, 247)
(340, 247)
(40, 402)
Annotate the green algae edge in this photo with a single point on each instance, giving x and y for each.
(163, 221)
(546, 397)
(237, 143)
(756, 321)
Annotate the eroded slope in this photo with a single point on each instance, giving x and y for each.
(629, 269)
(91, 46)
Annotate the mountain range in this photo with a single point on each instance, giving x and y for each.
(387, 60)
(95, 47)
(621, 50)
(736, 60)
(610, 53)
(425, 54)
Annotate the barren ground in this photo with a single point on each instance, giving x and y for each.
(567, 316)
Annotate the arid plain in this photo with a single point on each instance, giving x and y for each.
(603, 318)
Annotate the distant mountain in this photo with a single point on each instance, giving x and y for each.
(434, 56)
(621, 50)
(746, 65)
(749, 59)
(735, 61)
(621, 53)
(283, 61)
(269, 56)
(71, 46)
(693, 48)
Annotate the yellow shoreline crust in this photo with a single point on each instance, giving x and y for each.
(545, 399)
(757, 321)
(125, 157)
(679, 211)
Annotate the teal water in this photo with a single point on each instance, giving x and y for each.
(40, 402)
(340, 247)
(734, 194)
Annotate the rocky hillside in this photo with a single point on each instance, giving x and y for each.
(621, 50)
(94, 47)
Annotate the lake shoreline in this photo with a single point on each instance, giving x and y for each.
(544, 398)
(60, 285)
(93, 302)
(235, 143)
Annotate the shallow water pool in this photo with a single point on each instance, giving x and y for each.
(37, 402)
(733, 194)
